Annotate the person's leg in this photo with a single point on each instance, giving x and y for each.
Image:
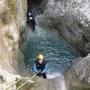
(44, 75)
(33, 27)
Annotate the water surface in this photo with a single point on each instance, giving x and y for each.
(57, 51)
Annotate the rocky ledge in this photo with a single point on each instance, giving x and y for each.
(71, 18)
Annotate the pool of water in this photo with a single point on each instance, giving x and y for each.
(57, 51)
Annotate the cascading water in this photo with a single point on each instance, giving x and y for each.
(57, 51)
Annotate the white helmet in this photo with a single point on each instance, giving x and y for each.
(29, 14)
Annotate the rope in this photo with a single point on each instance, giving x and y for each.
(16, 82)
(26, 82)
(13, 84)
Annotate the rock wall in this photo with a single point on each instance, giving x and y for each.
(82, 68)
(71, 18)
(78, 77)
(12, 19)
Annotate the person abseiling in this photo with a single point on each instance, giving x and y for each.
(40, 66)
(31, 21)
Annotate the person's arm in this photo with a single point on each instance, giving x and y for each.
(35, 69)
(46, 68)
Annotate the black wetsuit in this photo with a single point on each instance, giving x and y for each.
(41, 67)
(31, 22)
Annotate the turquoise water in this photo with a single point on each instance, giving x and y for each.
(57, 51)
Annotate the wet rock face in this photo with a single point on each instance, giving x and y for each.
(12, 18)
(71, 18)
(36, 6)
(78, 77)
(82, 68)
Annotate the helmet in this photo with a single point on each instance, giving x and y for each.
(40, 57)
(30, 18)
(29, 14)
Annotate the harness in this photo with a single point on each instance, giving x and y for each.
(40, 66)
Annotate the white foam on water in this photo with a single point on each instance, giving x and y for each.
(54, 75)
(63, 85)
(59, 80)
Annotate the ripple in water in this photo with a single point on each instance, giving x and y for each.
(58, 52)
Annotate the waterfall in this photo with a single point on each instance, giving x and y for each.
(60, 83)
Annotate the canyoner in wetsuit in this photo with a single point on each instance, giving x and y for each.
(40, 66)
(31, 21)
